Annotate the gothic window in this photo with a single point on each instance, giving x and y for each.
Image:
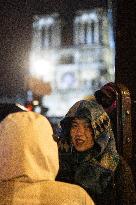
(85, 33)
(92, 31)
(49, 28)
(86, 28)
(100, 32)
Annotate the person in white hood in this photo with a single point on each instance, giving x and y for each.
(29, 164)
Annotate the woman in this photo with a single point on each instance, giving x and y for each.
(88, 155)
(29, 164)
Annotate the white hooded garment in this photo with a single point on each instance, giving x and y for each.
(29, 164)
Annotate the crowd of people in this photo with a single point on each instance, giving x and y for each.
(77, 167)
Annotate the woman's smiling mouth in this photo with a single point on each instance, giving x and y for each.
(79, 142)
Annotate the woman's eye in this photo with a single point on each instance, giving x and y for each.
(74, 125)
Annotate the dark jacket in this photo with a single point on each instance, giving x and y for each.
(8, 108)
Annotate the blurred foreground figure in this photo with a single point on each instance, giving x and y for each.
(106, 97)
(29, 164)
(116, 101)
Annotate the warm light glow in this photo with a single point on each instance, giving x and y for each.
(41, 68)
(35, 102)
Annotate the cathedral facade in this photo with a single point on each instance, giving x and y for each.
(75, 71)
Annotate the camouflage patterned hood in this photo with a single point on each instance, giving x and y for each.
(100, 123)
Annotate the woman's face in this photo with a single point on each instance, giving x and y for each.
(81, 135)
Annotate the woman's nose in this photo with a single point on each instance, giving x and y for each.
(80, 130)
